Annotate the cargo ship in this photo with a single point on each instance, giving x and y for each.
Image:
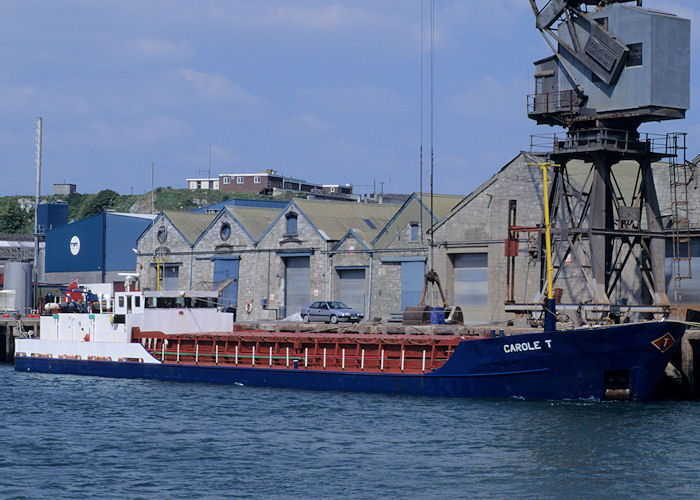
(182, 336)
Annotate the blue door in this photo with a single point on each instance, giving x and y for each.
(411, 283)
(223, 270)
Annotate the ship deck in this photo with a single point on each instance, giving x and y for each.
(355, 348)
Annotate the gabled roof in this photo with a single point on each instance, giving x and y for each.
(442, 203)
(358, 235)
(529, 157)
(191, 225)
(336, 218)
(254, 221)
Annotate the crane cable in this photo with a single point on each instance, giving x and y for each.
(432, 92)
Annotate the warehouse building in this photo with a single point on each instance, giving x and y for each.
(98, 249)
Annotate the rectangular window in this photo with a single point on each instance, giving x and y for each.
(256, 179)
(634, 58)
(414, 232)
(239, 180)
(227, 180)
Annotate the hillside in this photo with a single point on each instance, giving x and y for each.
(17, 212)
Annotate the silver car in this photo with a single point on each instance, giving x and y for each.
(330, 311)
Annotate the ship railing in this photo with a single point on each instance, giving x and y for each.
(564, 101)
(331, 356)
(623, 141)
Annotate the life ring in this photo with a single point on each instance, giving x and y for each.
(249, 307)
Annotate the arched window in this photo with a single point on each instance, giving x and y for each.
(291, 223)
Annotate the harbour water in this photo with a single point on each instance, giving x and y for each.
(77, 437)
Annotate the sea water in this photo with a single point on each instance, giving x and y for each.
(88, 437)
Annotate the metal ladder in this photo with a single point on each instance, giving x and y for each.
(680, 222)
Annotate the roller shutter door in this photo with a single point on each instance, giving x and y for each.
(690, 287)
(170, 278)
(223, 270)
(297, 282)
(412, 274)
(471, 286)
(352, 288)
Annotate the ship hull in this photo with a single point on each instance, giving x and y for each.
(617, 362)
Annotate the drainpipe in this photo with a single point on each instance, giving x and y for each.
(329, 280)
(191, 263)
(255, 280)
(369, 294)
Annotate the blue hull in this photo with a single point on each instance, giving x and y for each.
(561, 365)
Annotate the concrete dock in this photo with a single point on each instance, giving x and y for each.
(12, 326)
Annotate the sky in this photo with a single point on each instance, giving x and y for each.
(326, 91)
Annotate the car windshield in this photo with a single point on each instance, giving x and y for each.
(338, 305)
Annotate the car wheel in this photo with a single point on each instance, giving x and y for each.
(305, 317)
(334, 319)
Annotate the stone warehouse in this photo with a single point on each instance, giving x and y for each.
(270, 262)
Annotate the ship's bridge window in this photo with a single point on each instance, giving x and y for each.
(150, 302)
(165, 302)
(137, 301)
(121, 301)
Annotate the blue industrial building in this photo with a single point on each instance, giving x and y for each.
(241, 202)
(95, 249)
(51, 215)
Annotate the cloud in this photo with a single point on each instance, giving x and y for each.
(307, 122)
(33, 99)
(154, 130)
(16, 96)
(490, 94)
(160, 49)
(360, 99)
(212, 86)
